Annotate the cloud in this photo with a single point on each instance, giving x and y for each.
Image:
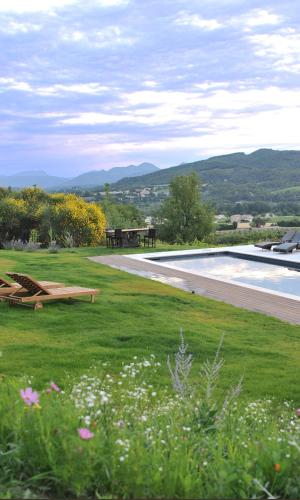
(13, 27)
(111, 3)
(58, 89)
(23, 6)
(109, 36)
(240, 113)
(196, 21)
(164, 81)
(248, 21)
(282, 49)
(12, 84)
(79, 88)
(258, 17)
(26, 6)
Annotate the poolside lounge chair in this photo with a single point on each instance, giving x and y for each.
(37, 293)
(267, 245)
(288, 247)
(7, 287)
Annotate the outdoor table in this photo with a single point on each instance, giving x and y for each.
(130, 236)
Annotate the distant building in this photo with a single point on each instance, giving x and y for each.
(241, 218)
(243, 225)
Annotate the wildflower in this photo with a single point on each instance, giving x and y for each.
(54, 387)
(277, 467)
(298, 412)
(85, 433)
(29, 396)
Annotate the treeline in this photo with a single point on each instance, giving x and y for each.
(32, 214)
(258, 207)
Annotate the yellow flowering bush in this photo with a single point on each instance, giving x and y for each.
(84, 221)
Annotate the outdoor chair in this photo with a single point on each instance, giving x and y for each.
(36, 293)
(289, 246)
(117, 238)
(109, 236)
(8, 287)
(267, 245)
(150, 238)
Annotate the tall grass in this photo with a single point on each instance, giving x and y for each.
(119, 436)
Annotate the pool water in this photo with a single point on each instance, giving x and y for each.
(279, 278)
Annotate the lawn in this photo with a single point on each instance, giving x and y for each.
(134, 316)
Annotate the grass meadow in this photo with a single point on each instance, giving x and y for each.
(111, 357)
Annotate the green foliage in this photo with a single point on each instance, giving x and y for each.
(291, 222)
(236, 237)
(138, 316)
(145, 441)
(121, 215)
(32, 213)
(85, 222)
(184, 217)
(265, 180)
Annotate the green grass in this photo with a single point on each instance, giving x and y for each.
(145, 443)
(136, 316)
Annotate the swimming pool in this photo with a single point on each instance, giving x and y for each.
(278, 275)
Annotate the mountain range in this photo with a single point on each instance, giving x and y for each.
(94, 178)
(265, 174)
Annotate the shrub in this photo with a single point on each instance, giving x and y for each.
(118, 436)
(32, 215)
(84, 222)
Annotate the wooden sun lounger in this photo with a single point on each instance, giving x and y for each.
(7, 287)
(37, 293)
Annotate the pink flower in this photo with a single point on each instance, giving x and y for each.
(54, 387)
(85, 433)
(298, 412)
(29, 396)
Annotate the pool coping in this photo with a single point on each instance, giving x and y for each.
(257, 299)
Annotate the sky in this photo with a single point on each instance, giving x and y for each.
(94, 84)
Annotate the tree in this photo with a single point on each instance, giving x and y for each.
(120, 215)
(183, 215)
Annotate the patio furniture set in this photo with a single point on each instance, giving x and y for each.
(130, 238)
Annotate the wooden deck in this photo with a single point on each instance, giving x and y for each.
(284, 308)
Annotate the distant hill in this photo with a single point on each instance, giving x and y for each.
(100, 177)
(88, 179)
(30, 178)
(262, 174)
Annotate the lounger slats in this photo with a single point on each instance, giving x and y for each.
(30, 284)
